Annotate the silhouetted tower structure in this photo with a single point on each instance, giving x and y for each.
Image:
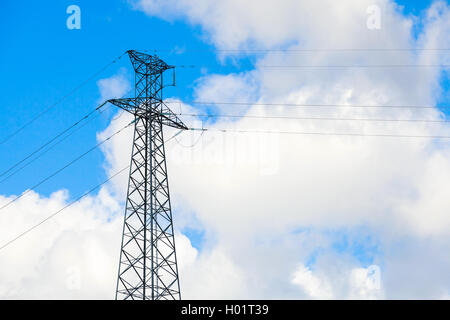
(148, 263)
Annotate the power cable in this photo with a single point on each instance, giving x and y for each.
(60, 210)
(8, 243)
(324, 67)
(322, 133)
(355, 66)
(312, 118)
(332, 50)
(53, 139)
(66, 166)
(304, 105)
(51, 147)
(100, 109)
(61, 99)
(193, 144)
(305, 50)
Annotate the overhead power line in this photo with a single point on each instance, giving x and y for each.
(71, 92)
(8, 243)
(61, 210)
(333, 50)
(312, 118)
(53, 139)
(100, 109)
(354, 66)
(309, 105)
(50, 148)
(324, 67)
(321, 133)
(66, 166)
(300, 50)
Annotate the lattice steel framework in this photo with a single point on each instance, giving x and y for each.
(148, 263)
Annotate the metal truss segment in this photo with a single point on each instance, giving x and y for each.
(148, 265)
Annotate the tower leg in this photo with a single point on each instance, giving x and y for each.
(148, 264)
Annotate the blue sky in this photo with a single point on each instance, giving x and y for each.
(41, 61)
(414, 6)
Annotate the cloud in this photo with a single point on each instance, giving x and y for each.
(73, 255)
(114, 87)
(313, 285)
(327, 185)
(246, 24)
(70, 256)
(283, 216)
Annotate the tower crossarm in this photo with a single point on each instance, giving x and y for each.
(146, 64)
(160, 111)
(132, 105)
(171, 119)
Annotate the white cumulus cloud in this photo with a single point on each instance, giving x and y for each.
(282, 216)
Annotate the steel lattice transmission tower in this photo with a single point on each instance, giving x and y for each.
(148, 263)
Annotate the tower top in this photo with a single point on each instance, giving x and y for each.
(147, 64)
(148, 102)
